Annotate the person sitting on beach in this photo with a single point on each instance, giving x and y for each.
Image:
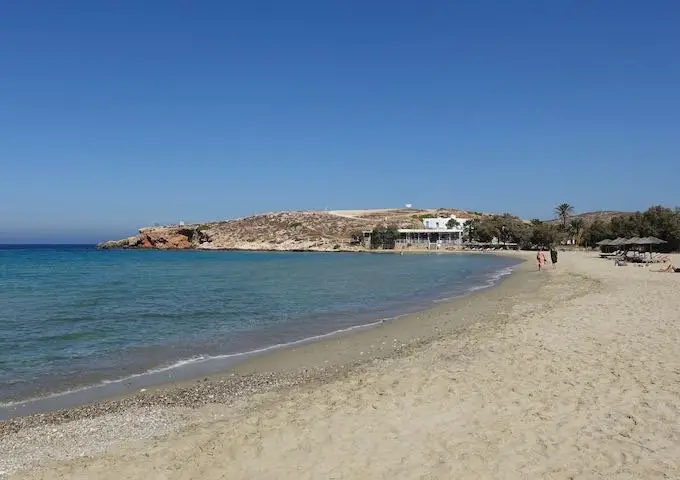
(540, 258)
(669, 269)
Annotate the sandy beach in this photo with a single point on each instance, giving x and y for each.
(567, 373)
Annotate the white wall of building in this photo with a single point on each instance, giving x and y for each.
(441, 222)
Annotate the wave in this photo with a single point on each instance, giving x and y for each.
(489, 281)
(492, 279)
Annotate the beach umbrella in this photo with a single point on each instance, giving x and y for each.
(635, 241)
(619, 242)
(604, 243)
(651, 241)
(632, 241)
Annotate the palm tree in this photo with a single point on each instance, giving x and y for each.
(469, 229)
(576, 226)
(563, 212)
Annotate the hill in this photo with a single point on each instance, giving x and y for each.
(285, 231)
(590, 217)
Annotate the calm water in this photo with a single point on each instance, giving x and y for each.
(74, 316)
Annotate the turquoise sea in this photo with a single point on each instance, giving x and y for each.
(73, 317)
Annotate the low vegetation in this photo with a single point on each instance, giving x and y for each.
(507, 228)
(581, 230)
(384, 237)
(657, 221)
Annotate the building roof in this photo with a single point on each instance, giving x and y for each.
(429, 230)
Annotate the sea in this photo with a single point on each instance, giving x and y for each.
(77, 323)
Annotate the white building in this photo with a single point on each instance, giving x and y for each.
(442, 223)
(435, 233)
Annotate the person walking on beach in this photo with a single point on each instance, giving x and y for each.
(553, 256)
(540, 258)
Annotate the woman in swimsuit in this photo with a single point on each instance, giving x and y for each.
(540, 258)
(669, 269)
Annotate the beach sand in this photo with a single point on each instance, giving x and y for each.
(566, 373)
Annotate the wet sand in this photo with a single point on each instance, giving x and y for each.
(565, 373)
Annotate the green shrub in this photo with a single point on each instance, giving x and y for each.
(384, 237)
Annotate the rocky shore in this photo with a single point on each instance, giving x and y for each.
(162, 238)
(284, 231)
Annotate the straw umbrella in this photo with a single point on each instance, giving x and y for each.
(617, 242)
(603, 244)
(651, 241)
(635, 241)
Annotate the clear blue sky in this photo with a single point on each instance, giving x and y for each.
(116, 115)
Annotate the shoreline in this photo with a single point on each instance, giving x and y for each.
(412, 249)
(344, 347)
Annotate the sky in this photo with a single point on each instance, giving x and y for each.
(117, 115)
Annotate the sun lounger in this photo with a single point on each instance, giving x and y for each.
(615, 254)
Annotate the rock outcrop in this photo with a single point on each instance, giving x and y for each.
(162, 238)
(124, 243)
